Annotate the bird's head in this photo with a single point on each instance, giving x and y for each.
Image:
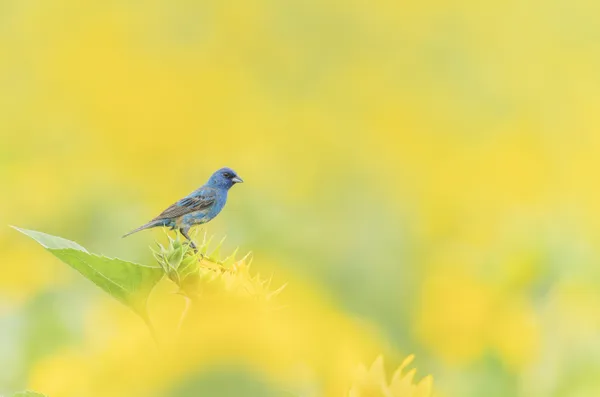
(224, 178)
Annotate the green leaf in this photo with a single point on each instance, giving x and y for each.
(28, 393)
(130, 283)
(216, 253)
(189, 265)
(51, 242)
(175, 257)
(205, 244)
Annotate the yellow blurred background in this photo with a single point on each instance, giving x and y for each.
(421, 174)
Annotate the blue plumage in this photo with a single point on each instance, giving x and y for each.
(199, 207)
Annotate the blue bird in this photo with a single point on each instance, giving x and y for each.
(198, 207)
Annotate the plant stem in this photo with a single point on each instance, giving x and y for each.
(186, 309)
(148, 322)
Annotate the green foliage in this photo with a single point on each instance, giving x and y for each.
(199, 272)
(130, 283)
(203, 276)
(178, 260)
(193, 271)
(217, 382)
(28, 393)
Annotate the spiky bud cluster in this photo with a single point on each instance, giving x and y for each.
(373, 382)
(198, 271)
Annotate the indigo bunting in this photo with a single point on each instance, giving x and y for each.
(198, 207)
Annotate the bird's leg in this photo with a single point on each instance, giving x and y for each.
(184, 233)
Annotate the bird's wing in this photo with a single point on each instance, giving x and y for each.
(199, 200)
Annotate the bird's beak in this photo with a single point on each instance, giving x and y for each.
(237, 179)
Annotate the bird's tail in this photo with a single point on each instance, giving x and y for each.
(158, 222)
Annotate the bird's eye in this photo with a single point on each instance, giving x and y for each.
(227, 175)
